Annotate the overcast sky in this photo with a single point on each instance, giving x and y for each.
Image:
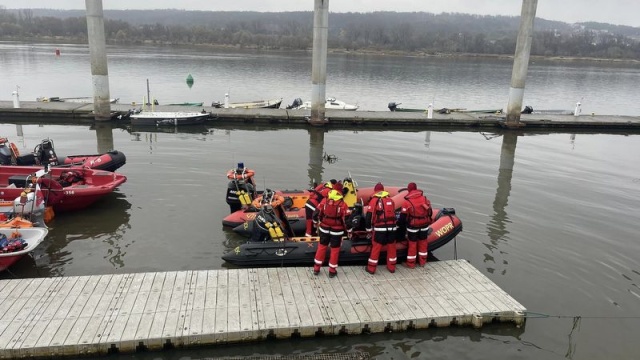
(620, 12)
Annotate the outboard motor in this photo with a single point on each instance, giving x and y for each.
(527, 110)
(30, 205)
(5, 154)
(297, 102)
(45, 153)
(392, 106)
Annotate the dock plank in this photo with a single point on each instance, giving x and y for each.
(91, 315)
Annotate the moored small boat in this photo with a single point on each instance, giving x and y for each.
(187, 104)
(81, 100)
(257, 104)
(330, 104)
(394, 106)
(65, 189)
(32, 237)
(44, 154)
(168, 118)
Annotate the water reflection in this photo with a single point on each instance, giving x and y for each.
(497, 226)
(104, 136)
(572, 139)
(316, 152)
(106, 221)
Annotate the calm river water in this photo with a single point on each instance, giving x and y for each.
(551, 218)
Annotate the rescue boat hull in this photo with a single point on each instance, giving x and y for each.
(94, 184)
(301, 251)
(33, 238)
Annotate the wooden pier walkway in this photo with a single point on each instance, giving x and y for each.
(100, 314)
(75, 113)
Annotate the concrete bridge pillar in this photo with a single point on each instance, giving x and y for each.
(98, 51)
(521, 62)
(319, 64)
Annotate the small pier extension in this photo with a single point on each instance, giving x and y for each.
(101, 314)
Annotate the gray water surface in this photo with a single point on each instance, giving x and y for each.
(557, 230)
(551, 218)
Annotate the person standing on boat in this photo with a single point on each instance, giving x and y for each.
(264, 222)
(331, 215)
(415, 217)
(241, 189)
(317, 194)
(381, 224)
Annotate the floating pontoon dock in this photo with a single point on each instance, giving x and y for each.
(100, 314)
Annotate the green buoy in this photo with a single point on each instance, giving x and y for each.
(190, 80)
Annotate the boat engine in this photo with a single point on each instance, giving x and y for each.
(45, 153)
(392, 106)
(5, 154)
(26, 205)
(297, 102)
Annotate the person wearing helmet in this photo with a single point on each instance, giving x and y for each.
(415, 218)
(261, 224)
(381, 224)
(267, 196)
(315, 197)
(241, 184)
(331, 215)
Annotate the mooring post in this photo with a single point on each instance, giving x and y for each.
(98, 51)
(16, 99)
(578, 110)
(521, 62)
(430, 111)
(319, 64)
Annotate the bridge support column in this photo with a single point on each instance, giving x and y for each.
(98, 51)
(521, 62)
(319, 64)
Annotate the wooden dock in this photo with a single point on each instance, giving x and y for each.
(76, 113)
(101, 314)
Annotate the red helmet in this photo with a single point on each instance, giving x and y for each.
(378, 187)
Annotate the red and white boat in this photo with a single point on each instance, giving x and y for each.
(65, 189)
(32, 236)
(44, 154)
(294, 203)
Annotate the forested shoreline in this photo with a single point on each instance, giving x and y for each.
(420, 34)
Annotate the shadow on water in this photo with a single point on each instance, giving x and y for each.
(400, 345)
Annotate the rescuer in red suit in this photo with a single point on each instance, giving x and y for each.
(381, 224)
(317, 194)
(416, 216)
(331, 215)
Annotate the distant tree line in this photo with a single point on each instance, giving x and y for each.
(415, 33)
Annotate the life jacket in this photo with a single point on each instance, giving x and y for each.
(384, 211)
(332, 213)
(70, 177)
(418, 210)
(317, 194)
